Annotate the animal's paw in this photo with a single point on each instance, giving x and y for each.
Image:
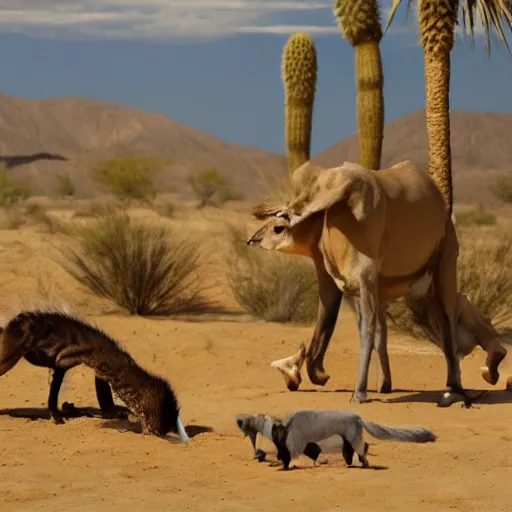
(448, 399)
(68, 407)
(260, 455)
(58, 420)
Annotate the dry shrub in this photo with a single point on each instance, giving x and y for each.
(484, 274)
(477, 217)
(146, 270)
(38, 215)
(272, 286)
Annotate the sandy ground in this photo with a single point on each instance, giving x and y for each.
(220, 368)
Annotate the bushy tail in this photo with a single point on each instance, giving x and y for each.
(406, 435)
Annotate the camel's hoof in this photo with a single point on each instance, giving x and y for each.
(490, 371)
(260, 455)
(317, 376)
(385, 387)
(450, 397)
(359, 397)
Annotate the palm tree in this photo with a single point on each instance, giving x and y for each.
(437, 20)
(359, 22)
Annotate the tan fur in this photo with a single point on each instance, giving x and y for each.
(381, 232)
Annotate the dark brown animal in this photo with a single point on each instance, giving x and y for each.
(73, 341)
(23, 337)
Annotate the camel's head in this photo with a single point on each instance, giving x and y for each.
(275, 235)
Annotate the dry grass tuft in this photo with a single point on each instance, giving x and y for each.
(145, 269)
(271, 286)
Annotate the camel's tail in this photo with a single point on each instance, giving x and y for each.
(406, 435)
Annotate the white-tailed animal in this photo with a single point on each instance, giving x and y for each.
(312, 426)
(372, 235)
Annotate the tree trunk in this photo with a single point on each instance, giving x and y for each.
(437, 26)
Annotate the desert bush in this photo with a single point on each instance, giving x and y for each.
(11, 218)
(37, 213)
(502, 188)
(128, 177)
(146, 270)
(206, 184)
(228, 194)
(269, 285)
(65, 186)
(10, 192)
(95, 209)
(484, 274)
(479, 217)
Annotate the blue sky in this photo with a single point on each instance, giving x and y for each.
(215, 64)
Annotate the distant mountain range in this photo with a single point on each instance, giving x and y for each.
(40, 139)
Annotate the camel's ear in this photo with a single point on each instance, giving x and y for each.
(265, 210)
(351, 184)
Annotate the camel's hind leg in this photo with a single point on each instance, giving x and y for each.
(445, 292)
(370, 316)
(381, 346)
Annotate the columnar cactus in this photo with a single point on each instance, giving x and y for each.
(359, 21)
(299, 71)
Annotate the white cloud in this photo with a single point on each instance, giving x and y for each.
(158, 20)
(162, 20)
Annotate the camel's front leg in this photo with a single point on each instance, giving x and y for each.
(330, 297)
(368, 326)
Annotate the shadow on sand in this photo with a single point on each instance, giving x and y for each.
(485, 397)
(131, 425)
(42, 413)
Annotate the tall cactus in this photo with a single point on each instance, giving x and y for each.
(299, 71)
(359, 21)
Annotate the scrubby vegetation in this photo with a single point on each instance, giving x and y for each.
(10, 192)
(485, 277)
(502, 188)
(209, 183)
(144, 269)
(128, 177)
(479, 217)
(272, 286)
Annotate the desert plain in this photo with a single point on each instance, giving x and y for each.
(219, 367)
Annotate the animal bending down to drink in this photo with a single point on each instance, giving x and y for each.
(312, 426)
(67, 341)
(23, 337)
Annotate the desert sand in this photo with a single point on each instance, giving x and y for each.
(219, 367)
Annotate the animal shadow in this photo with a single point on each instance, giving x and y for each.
(42, 413)
(486, 397)
(131, 424)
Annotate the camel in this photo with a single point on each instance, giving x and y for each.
(373, 236)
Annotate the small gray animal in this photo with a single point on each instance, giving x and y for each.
(311, 426)
(253, 424)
